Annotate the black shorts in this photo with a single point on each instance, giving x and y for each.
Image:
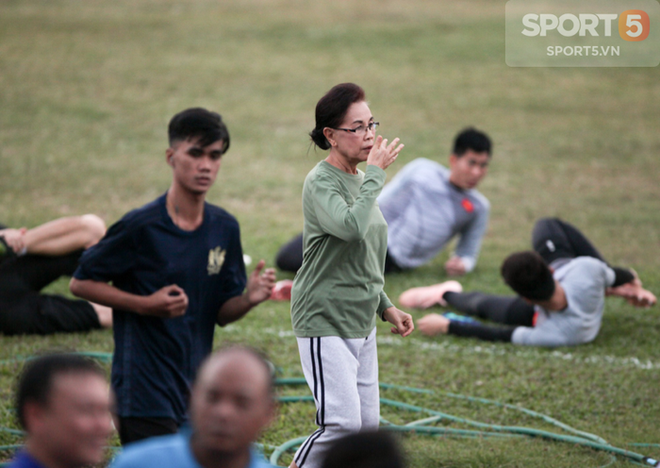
(23, 310)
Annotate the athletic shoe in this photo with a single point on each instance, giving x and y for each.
(423, 298)
(282, 291)
(460, 318)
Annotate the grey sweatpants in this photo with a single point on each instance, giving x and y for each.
(343, 376)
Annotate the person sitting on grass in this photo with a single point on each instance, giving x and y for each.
(561, 286)
(31, 259)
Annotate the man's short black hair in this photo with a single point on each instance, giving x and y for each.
(199, 124)
(36, 380)
(472, 139)
(528, 275)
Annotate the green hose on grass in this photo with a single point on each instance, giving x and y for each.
(489, 430)
(420, 426)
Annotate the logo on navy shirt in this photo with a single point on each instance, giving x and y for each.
(216, 259)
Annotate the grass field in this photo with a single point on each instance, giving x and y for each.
(87, 89)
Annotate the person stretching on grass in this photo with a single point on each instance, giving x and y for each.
(561, 286)
(176, 268)
(31, 259)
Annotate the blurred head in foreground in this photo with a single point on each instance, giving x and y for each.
(63, 404)
(368, 449)
(232, 402)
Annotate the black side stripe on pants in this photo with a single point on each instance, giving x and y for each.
(316, 381)
(319, 395)
(322, 383)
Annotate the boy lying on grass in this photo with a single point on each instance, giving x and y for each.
(561, 289)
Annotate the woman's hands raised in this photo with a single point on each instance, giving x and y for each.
(382, 154)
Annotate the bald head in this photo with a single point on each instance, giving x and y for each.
(232, 401)
(254, 364)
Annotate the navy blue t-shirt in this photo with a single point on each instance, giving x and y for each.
(155, 359)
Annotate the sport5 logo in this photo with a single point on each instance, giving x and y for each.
(634, 25)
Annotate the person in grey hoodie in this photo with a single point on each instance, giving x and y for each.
(561, 289)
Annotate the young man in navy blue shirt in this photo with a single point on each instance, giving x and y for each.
(171, 270)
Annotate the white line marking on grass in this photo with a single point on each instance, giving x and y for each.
(250, 332)
(523, 352)
(485, 348)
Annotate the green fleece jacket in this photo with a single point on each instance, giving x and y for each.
(338, 291)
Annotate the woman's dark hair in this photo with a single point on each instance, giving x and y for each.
(528, 275)
(331, 110)
(201, 124)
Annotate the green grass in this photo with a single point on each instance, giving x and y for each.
(88, 89)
